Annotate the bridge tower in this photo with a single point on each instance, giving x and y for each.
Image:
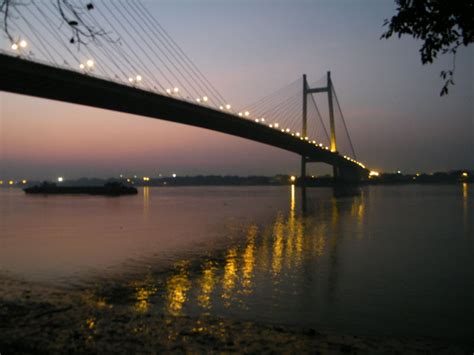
(333, 146)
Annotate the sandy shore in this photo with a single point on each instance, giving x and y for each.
(40, 319)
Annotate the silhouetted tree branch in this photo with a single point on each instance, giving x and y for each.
(72, 15)
(443, 25)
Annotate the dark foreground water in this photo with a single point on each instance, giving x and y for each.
(393, 261)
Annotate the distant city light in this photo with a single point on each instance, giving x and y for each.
(465, 174)
(292, 178)
(174, 175)
(60, 179)
(1, 182)
(399, 172)
(146, 178)
(374, 173)
(11, 182)
(23, 181)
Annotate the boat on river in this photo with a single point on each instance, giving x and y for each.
(108, 189)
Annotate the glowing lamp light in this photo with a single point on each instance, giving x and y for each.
(90, 63)
(297, 134)
(175, 90)
(257, 120)
(11, 182)
(146, 178)
(263, 119)
(270, 125)
(465, 174)
(292, 178)
(246, 113)
(228, 106)
(23, 43)
(205, 98)
(81, 66)
(130, 80)
(198, 99)
(138, 78)
(23, 181)
(276, 125)
(60, 179)
(168, 91)
(174, 175)
(221, 107)
(374, 173)
(1, 182)
(287, 130)
(240, 114)
(14, 46)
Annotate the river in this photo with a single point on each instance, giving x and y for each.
(391, 261)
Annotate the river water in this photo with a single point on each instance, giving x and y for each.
(394, 260)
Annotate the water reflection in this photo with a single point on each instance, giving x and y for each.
(207, 284)
(177, 288)
(146, 200)
(275, 260)
(465, 207)
(283, 266)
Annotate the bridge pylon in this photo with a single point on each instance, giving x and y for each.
(333, 145)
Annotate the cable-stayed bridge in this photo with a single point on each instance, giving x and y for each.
(116, 56)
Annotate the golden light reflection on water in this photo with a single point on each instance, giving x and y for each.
(465, 206)
(146, 200)
(277, 245)
(177, 287)
(249, 260)
(207, 284)
(273, 253)
(230, 275)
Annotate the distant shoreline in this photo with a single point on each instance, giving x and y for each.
(438, 178)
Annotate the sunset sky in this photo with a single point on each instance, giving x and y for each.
(248, 49)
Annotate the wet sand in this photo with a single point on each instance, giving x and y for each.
(39, 318)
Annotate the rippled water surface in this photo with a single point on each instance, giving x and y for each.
(391, 261)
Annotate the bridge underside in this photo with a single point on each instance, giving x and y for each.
(34, 79)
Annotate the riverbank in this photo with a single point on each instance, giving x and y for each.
(43, 319)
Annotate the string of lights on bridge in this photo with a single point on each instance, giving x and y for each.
(169, 54)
